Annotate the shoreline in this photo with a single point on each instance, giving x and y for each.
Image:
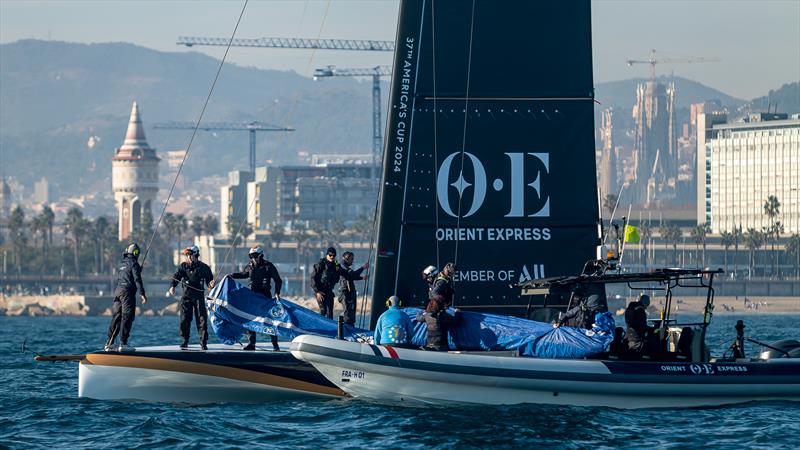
(78, 306)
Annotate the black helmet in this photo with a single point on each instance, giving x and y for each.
(132, 250)
(331, 251)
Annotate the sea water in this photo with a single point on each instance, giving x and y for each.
(39, 407)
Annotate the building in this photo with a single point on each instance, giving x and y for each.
(41, 191)
(655, 153)
(134, 177)
(331, 188)
(744, 163)
(607, 159)
(233, 200)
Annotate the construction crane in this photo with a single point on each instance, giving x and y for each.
(322, 44)
(376, 73)
(276, 42)
(251, 127)
(653, 61)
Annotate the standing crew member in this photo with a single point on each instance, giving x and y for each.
(394, 327)
(324, 277)
(261, 272)
(443, 285)
(194, 275)
(129, 281)
(439, 322)
(347, 287)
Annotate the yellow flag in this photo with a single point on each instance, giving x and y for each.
(631, 234)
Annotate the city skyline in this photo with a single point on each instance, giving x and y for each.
(746, 36)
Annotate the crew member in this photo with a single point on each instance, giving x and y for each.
(261, 274)
(394, 327)
(583, 314)
(443, 285)
(636, 322)
(324, 277)
(194, 275)
(129, 281)
(347, 287)
(439, 323)
(429, 276)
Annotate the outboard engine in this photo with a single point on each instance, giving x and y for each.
(785, 348)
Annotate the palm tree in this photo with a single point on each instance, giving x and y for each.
(738, 236)
(39, 225)
(646, 234)
(674, 234)
(49, 218)
(772, 208)
(726, 241)
(211, 224)
(753, 240)
(100, 230)
(170, 226)
(610, 203)
(197, 225)
(181, 225)
(277, 235)
(77, 226)
(793, 249)
(19, 240)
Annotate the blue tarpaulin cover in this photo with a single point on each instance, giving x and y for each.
(233, 308)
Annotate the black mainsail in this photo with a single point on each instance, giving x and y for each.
(489, 152)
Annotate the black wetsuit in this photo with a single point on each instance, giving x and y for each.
(439, 325)
(582, 315)
(443, 287)
(347, 292)
(636, 333)
(261, 275)
(194, 277)
(324, 277)
(123, 311)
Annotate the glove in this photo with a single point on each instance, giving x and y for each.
(171, 291)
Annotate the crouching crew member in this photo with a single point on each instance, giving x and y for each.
(261, 274)
(347, 287)
(129, 281)
(194, 275)
(394, 327)
(324, 277)
(439, 322)
(582, 315)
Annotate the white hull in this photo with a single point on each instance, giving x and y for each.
(222, 374)
(402, 375)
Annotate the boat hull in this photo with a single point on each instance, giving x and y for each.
(221, 374)
(402, 375)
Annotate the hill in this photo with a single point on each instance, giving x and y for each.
(55, 95)
(785, 99)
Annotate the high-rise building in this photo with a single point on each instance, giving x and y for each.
(744, 163)
(234, 202)
(41, 191)
(134, 177)
(654, 147)
(607, 164)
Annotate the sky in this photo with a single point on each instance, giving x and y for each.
(757, 42)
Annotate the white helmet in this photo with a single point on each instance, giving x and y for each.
(256, 251)
(430, 271)
(192, 250)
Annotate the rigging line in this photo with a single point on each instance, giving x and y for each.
(289, 113)
(464, 136)
(194, 133)
(435, 127)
